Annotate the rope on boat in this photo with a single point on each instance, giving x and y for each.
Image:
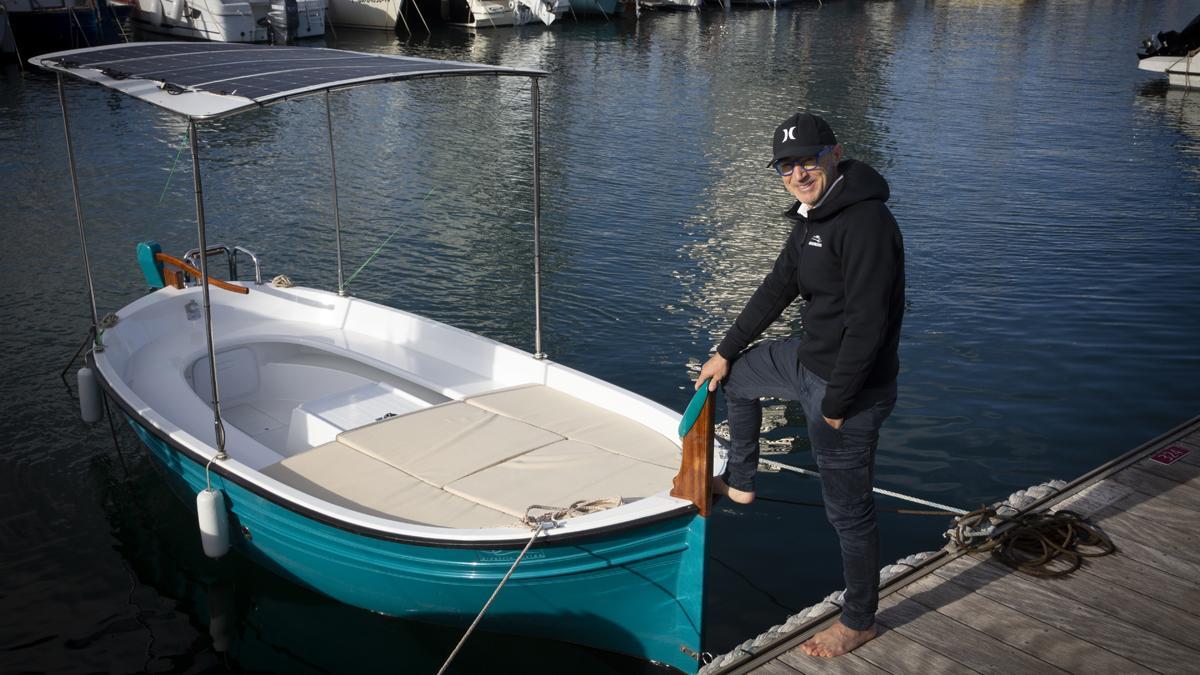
(539, 522)
(907, 512)
(579, 508)
(174, 164)
(723, 433)
(806, 618)
(378, 249)
(889, 493)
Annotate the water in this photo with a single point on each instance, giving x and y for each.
(1048, 193)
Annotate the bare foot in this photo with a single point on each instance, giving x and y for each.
(720, 487)
(836, 640)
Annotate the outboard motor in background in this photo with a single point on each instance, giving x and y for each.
(283, 21)
(1173, 43)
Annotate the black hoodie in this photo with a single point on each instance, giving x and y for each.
(846, 259)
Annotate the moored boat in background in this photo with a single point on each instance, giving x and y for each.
(501, 13)
(36, 26)
(376, 14)
(1175, 54)
(232, 20)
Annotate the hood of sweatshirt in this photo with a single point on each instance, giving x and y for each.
(859, 183)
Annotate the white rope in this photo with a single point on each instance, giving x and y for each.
(803, 619)
(1005, 510)
(889, 493)
(538, 529)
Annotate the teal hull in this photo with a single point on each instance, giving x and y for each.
(636, 591)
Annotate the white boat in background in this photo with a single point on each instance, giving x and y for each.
(670, 4)
(232, 20)
(499, 13)
(372, 14)
(1181, 71)
(1175, 54)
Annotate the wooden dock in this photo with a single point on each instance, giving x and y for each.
(1134, 611)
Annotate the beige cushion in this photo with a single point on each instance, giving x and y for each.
(446, 442)
(341, 475)
(579, 420)
(559, 474)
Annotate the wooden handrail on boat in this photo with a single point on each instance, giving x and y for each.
(694, 480)
(173, 280)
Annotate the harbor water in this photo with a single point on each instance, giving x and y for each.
(1048, 191)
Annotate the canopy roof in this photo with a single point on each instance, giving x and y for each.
(211, 79)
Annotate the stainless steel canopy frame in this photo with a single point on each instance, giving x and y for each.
(141, 69)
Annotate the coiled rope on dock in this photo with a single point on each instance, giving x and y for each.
(1043, 544)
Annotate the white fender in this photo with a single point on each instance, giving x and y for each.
(213, 521)
(89, 395)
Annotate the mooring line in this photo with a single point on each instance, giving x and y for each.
(889, 493)
(539, 528)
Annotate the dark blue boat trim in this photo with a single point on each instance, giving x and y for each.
(520, 542)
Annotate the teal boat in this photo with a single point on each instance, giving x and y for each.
(388, 461)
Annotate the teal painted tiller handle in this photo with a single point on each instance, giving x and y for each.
(693, 409)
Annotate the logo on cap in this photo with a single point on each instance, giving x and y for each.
(789, 134)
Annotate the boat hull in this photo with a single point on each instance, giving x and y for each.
(371, 14)
(635, 591)
(36, 30)
(223, 21)
(1181, 71)
(604, 7)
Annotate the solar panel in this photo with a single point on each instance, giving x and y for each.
(256, 74)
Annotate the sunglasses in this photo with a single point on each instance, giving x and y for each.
(788, 165)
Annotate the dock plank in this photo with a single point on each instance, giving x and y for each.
(1179, 542)
(850, 664)
(1018, 630)
(1126, 535)
(1180, 472)
(777, 667)
(1130, 606)
(1135, 611)
(1192, 443)
(1127, 569)
(958, 641)
(1036, 600)
(1170, 483)
(1162, 508)
(893, 652)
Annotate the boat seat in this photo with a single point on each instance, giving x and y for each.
(346, 477)
(558, 475)
(576, 419)
(443, 443)
(501, 452)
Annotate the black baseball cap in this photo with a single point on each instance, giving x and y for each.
(801, 135)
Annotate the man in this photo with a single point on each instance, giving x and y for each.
(845, 258)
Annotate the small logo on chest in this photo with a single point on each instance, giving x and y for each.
(815, 241)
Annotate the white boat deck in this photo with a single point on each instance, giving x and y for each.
(386, 414)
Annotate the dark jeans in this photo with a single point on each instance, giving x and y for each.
(845, 457)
